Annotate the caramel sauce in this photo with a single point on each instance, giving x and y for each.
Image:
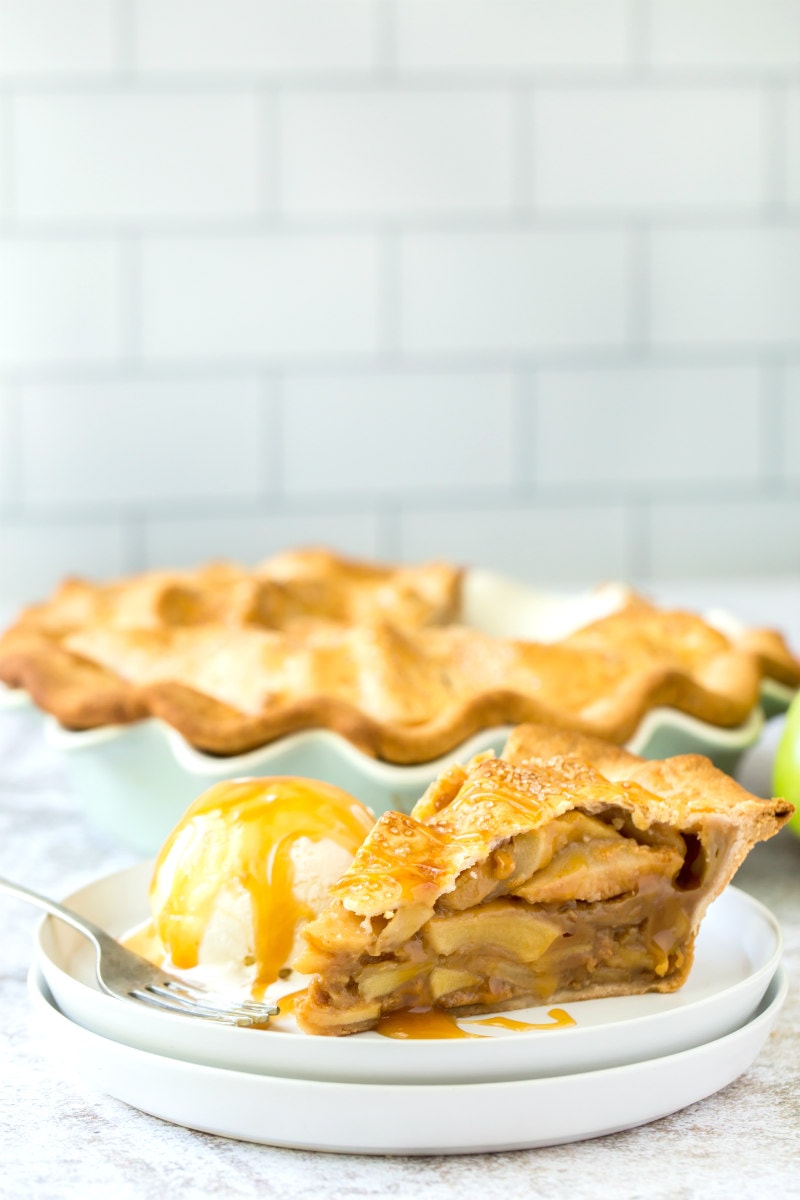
(287, 1003)
(401, 862)
(243, 832)
(419, 1024)
(559, 1019)
(409, 860)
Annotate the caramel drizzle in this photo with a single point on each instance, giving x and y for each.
(422, 1024)
(430, 1023)
(407, 860)
(244, 831)
(417, 1024)
(559, 1019)
(287, 1004)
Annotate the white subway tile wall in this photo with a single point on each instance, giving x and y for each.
(143, 443)
(58, 38)
(260, 297)
(6, 448)
(61, 301)
(736, 287)
(792, 142)
(507, 281)
(5, 155)
(511, 35)
(790, 447)
(569, 543)
(396, 153)
(462, 452)
(648, 150)
(701, 425)
(199, 37)
(514, 292)
(193, 539)
(43, 552)
(738, 537)
(112, 156)
(742, 34)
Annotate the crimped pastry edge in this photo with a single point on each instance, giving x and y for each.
(82, 695)
(220, 731)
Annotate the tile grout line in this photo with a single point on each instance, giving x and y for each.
(390, 529)
(269, 182)
(774, 117)
(134, 527)
(526, 434)
(640, 524)
(578, 359)
(8, 178)
(412, 223)
(640, 290)
(772, 420)
(522, 116)
(273, 396)
(13, 451)
(130, 252)
(639, 18)
(384, 17)
(390, 302)
(125, 30)
(439, 79)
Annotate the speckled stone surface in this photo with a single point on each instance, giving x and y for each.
(59, 1139)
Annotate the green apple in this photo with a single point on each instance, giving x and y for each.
(786, 773)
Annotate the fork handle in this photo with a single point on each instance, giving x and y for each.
(82, 924)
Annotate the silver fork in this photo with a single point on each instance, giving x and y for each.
(128, 976)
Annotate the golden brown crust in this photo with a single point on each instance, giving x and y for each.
(497, 845)
(235, 659)
(82, 655)
(690, 788)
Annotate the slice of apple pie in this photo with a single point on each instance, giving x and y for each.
(568, 869)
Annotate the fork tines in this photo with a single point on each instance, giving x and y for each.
(178, 998)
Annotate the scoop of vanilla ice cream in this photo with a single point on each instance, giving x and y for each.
(317, 865)
(226, 957)
(248, 865)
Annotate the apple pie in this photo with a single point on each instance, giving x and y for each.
(568, 869)
(82, 654)
(234, 660)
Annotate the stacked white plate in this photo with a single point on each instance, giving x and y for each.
(623, 1063)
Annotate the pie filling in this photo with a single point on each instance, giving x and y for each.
(586, 904)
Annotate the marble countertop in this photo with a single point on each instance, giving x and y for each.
(61, 1139)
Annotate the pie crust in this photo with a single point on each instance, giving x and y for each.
(568, 869)
(234, 659)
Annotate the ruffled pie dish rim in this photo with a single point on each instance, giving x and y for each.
(135, 781)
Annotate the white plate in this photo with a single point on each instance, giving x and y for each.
(136, 780)
(376, 1118)
(738, 950)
